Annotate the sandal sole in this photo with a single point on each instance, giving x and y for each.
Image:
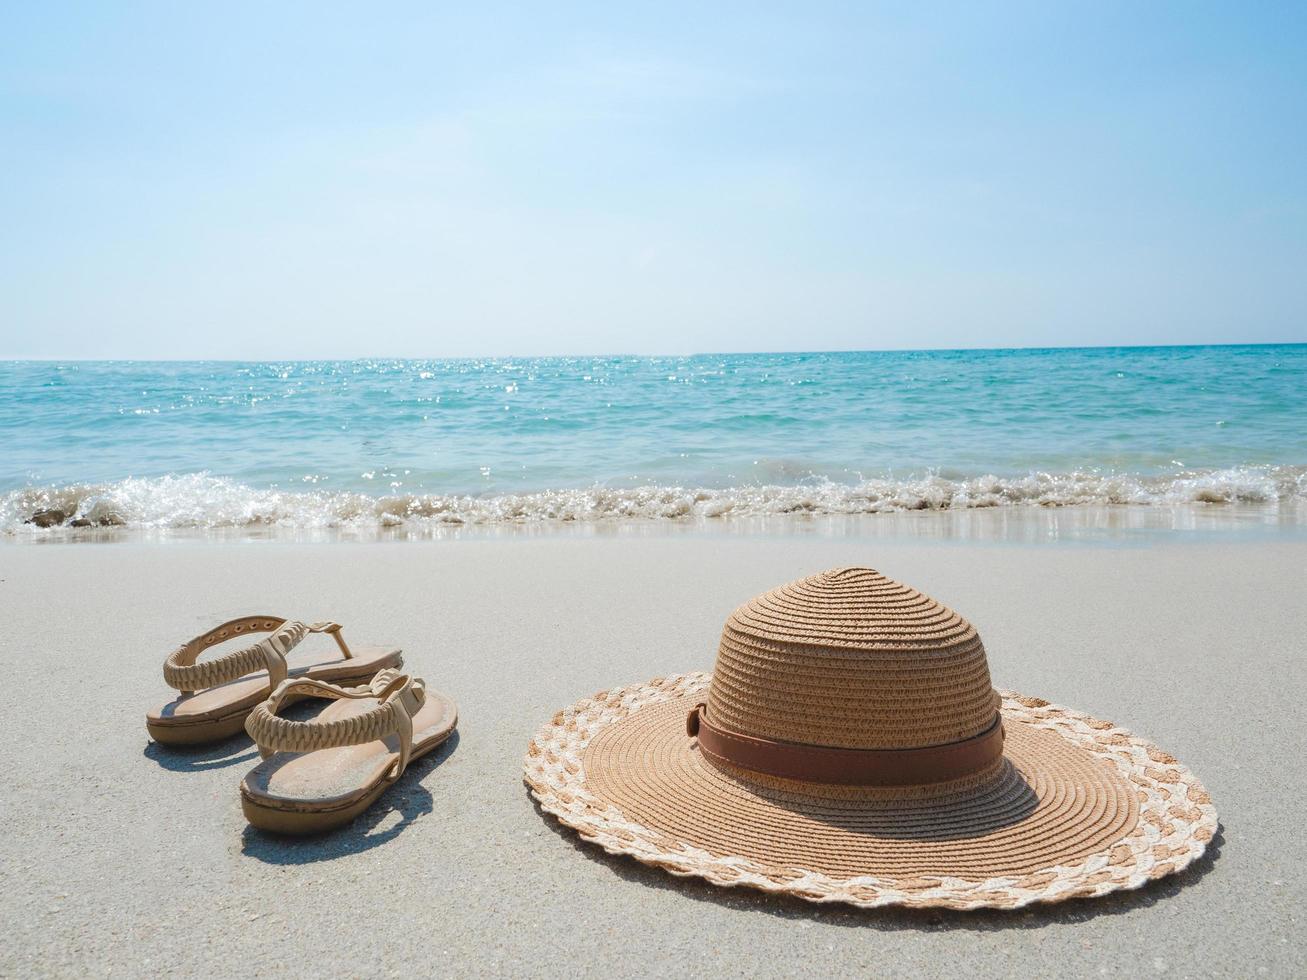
(301, 823)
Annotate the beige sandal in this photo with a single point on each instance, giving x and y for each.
(322, 773)
(218, 694)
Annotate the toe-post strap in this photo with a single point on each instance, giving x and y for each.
(398, 696)
(180, 670)
(336, 634)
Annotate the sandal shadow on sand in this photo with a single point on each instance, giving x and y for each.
(218, 694)
(320, 774)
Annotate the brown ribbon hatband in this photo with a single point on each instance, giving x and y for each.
(854, 767)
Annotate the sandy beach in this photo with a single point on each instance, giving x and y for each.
(538, 343)
(124, 857)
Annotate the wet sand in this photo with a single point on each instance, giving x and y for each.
(123, 857)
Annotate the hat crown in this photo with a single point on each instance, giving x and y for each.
(849, 658)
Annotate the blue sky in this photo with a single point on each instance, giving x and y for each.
(320, 180)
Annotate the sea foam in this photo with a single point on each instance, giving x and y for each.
(203, 501)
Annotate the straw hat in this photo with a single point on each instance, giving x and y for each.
(849, 747)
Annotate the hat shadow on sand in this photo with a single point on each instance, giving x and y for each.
(892, 918)
(375, 826)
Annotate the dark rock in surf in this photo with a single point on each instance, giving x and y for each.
(47, 518)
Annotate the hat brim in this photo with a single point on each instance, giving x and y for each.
(1079, 807)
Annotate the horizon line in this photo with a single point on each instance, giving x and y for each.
(611, 354)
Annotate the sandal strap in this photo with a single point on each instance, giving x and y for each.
(180, 670)
(399, 697)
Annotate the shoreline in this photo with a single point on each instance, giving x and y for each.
(1014, 524)
(200, 500)
(1187, 644)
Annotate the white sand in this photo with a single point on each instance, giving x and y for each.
(120, 857)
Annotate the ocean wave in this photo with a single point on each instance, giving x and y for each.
(203, 501)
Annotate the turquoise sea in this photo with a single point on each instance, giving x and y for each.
(375, 443)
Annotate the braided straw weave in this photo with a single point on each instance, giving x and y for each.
(275, 734)
(1076, 806)
(853, 659)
